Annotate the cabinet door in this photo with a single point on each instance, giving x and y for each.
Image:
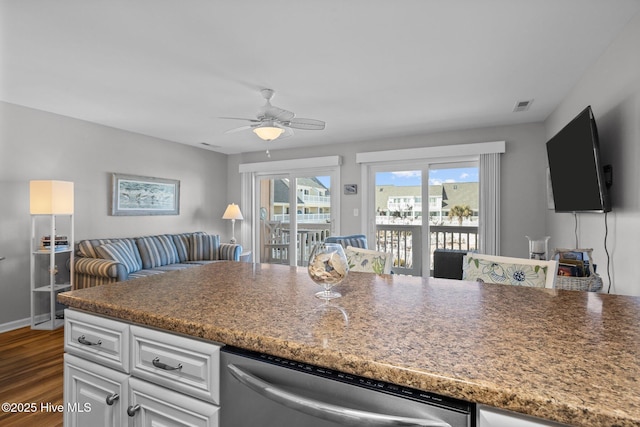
(492, 417)
(152, 405)
(93, 394)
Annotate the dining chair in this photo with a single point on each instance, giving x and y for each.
(447, 263)
(509, 271)
(368, 261)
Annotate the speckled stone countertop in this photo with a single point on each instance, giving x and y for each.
(567, 356)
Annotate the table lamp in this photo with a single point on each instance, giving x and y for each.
(233, 212)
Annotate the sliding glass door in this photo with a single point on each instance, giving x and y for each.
(423, 206)
(295, 211)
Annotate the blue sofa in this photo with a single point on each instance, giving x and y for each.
(103, 261)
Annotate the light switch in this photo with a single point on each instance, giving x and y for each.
(356, 212)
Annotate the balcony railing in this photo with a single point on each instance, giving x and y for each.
(407, 251)
(403, 241)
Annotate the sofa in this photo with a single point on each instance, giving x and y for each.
(103, 261)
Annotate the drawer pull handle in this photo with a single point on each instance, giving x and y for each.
(84, 341)
(111, 399)
(158, 364)
(131, 410)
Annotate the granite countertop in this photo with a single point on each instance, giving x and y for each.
(567, 356)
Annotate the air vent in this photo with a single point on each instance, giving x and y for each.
(522, 105)
(206, 144)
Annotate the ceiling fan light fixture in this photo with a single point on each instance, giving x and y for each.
(268, 133)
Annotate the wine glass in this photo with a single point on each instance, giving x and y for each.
(328, 267)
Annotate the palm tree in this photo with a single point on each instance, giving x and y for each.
(460, 212)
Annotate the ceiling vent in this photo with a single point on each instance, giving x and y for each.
(522, 105)
(206, 144)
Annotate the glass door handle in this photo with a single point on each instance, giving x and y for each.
(327, 411)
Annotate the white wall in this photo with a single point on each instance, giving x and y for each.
(41, 145)
(612, 87)
(523, 175)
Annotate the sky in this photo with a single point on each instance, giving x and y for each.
(436, 176)
(412, 178)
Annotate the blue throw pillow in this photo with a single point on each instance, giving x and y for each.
(120, 252)
(204, 247)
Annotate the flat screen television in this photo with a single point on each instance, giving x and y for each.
(577, 174)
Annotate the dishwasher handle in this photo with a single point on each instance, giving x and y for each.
(327, 411)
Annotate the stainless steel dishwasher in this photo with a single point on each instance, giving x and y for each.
(266, 391)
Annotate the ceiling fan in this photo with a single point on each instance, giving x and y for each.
(273, 122)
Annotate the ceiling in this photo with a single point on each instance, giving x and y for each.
(370, 69)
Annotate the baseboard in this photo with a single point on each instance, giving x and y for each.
(16, 324)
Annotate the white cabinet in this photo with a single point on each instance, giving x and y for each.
(120, 374)
(94, 395)
(152, 405)
(51, 267)
(492, 417)
(101, 340)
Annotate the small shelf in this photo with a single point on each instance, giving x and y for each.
(48, 252)
(56, 288)
(48, 324)
(50, 266)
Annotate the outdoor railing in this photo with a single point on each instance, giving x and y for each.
(403, 241)
(399, 240)
(407, 251)
(454, 237)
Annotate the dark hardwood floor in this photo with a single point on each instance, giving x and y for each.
(31, 372)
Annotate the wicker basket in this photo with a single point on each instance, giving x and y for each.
(592, 283)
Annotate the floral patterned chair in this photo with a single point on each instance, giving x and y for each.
(509, 271)
(368, 261)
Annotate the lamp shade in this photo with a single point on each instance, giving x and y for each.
(268, 133)
(232, 212)
(51, 197)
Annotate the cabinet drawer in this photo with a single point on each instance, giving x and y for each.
(179, 363)
(99, 339)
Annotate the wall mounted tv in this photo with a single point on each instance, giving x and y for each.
(577, 175)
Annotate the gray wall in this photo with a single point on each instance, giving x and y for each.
(41, 145)
(612, 87)
(523, 175)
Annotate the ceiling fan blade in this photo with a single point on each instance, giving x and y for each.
(241, 118)
(307, 124)
(241, 128)
(277, 113)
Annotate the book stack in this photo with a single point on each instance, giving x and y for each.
(61, 243)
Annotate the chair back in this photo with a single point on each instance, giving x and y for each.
(368, 261)
(447, 263)
(509, 271)
(354, 240)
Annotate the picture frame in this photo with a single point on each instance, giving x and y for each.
(350, 189)
(143, 195)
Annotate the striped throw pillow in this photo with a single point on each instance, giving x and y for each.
(120, 252)
(204, 247)
(157, 251)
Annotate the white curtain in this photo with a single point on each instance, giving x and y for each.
(489, 226)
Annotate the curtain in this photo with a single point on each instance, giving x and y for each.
(489, 224)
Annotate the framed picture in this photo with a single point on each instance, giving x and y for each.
(350, 189)
(142, 195)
